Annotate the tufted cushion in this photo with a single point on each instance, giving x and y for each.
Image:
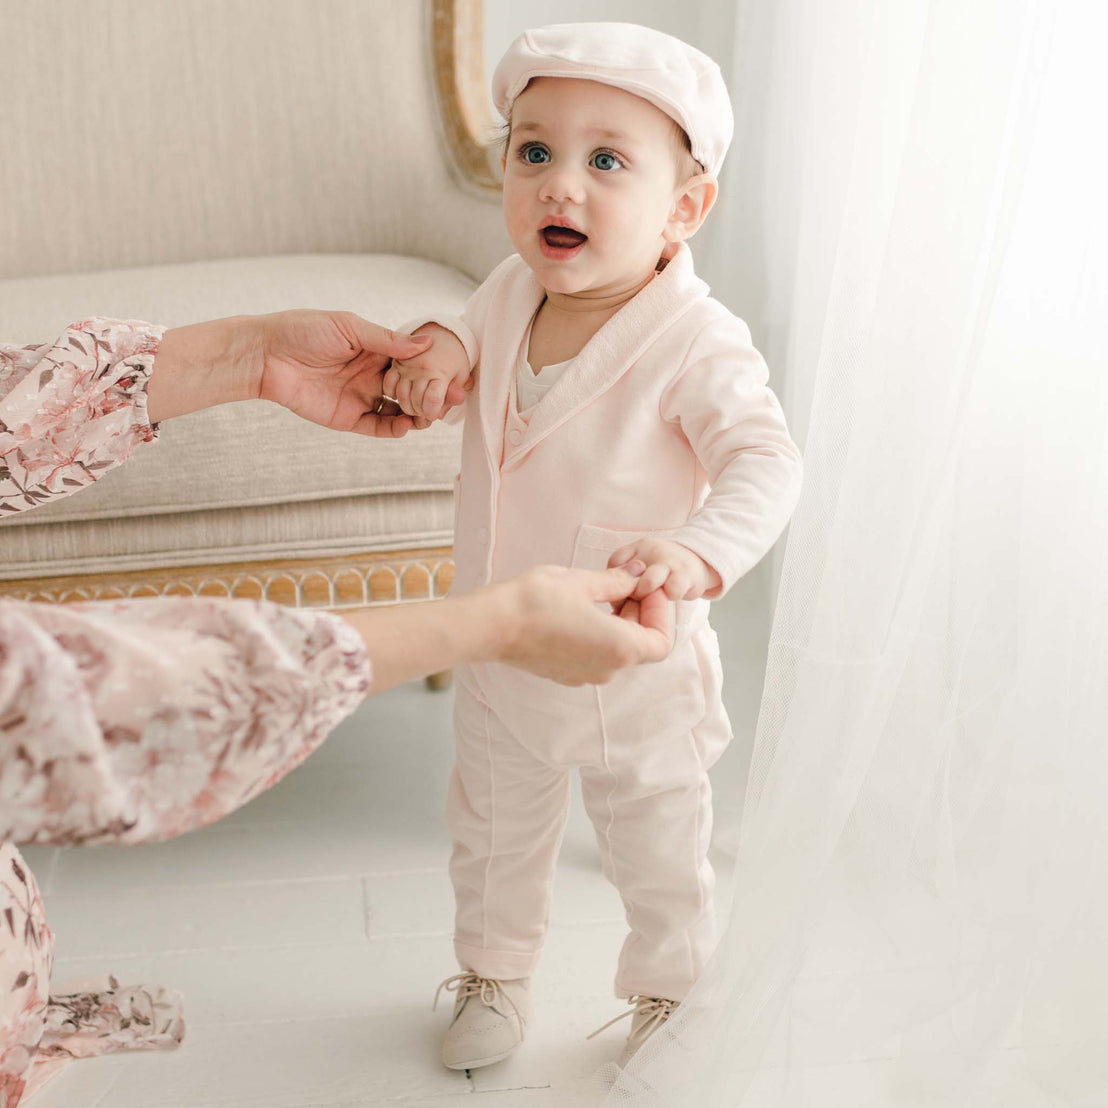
(250, 480)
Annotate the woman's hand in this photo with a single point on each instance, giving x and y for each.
(553, 626)
(557, 623)
(327, 367)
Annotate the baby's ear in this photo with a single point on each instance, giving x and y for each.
(692, 203)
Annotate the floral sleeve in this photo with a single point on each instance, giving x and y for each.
(139, 719)
(136, 720)
(72, 409)
(132, 720)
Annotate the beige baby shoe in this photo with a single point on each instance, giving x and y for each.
(490, 1017)
(648, 1013)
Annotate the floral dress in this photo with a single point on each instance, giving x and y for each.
(126, 721)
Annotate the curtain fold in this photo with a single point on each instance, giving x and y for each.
(921, 895)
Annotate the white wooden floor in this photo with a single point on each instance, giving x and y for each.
(309, 931)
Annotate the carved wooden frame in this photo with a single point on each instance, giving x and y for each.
(458, 63)
(336, 584)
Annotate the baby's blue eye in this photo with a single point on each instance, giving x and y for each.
(535, 155)
(604, 160)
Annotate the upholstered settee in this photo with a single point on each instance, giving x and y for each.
(176, 160)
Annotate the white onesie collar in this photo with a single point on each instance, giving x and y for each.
(531, 387)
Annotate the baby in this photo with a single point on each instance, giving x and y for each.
(617, 414)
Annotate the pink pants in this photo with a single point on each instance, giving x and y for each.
(643, 745)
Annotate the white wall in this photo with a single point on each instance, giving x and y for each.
(709, 25)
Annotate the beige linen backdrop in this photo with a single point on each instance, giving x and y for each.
(247, 127)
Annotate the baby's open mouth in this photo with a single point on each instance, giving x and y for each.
(562, 238)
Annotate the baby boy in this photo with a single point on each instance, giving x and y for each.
(617, 413)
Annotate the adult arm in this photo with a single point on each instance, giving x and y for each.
(73, 409)
(552, 621)
(137, 720)
(140, 719)
(131, 721)
(326, 367)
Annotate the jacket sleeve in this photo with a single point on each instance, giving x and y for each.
(136, 720)
(734, 423)
(72, 409)
(456, 325)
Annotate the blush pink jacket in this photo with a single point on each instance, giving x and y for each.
(663, 425)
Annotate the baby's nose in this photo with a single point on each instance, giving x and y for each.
(563, 185)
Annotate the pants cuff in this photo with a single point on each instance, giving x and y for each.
(502, 965)
(668, 990)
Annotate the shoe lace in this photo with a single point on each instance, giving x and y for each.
(485, 989)
(656, 1009)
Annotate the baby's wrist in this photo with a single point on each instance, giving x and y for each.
(710, 581)
(713, 583)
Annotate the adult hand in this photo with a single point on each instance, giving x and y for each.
(556, 629)
(554, 622)
(327, 367)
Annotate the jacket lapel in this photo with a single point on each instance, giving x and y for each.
(608, 354)
(507, 322)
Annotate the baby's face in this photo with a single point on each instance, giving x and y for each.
(590, 180)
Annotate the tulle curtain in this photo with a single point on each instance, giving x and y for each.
(921, 908)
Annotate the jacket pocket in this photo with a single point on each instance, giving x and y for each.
(595, 545)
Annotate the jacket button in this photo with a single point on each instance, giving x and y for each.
(514, 436)
(483, 535)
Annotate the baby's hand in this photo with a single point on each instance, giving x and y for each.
(671, 567)
(430, 384)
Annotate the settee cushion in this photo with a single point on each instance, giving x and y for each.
(243, 481)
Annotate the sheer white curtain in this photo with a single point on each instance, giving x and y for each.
(921, 914)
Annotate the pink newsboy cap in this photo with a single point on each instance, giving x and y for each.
(671, 74)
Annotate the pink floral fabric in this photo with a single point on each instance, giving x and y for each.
(111, 1017)
(72, 409)
(26, 959)
(126, 721)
